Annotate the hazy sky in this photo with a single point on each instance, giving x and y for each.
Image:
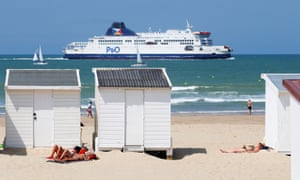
(249, 27)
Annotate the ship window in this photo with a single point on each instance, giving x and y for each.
(139, 41)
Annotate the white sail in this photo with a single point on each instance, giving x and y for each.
(138, 58)
(38, 57)
(35, 56)
(41, 58)
(139, 61)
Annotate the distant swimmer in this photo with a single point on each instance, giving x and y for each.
(249, 105)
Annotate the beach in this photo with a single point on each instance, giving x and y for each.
(196, 142)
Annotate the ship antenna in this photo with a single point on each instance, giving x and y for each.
(188, 26)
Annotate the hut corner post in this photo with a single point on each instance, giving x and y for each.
(169, 152)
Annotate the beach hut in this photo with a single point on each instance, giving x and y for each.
(293, 87)
(133, 109)
(42, 107)
(277, 107)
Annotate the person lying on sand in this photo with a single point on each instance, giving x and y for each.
(246, 148)
(78, 157)
(59, 153)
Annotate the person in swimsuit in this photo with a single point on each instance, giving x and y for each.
(89, 109)
(246, 148)
(249, 105)
(80, 157)
(59, 153)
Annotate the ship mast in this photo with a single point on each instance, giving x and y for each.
(188, 26)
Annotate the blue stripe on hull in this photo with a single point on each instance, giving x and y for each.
(147, 56)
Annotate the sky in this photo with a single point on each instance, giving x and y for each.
(249, 27)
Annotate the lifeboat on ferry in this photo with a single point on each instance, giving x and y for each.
(205, 33)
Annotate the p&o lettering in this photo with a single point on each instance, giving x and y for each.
(112, 49)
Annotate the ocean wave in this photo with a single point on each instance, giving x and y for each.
(223, 93)
(86, 87)
(29, 58)
(21, 58)
(184, 93)
(55, 58)
(185, 88)
(230, 58)
(184, 100)
(213, 112)
(220, 100)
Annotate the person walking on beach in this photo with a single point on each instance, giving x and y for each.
(89, 109)
(249, 105)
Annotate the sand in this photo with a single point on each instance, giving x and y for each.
(196, 140)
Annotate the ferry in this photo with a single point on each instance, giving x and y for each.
(120, 42)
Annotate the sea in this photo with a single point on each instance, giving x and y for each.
(198, 86)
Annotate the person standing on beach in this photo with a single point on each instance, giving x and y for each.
(249, 105)
(89, 110)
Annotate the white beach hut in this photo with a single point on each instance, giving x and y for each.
(293, 87)
(42, 107)
(277, 118)
(133, 109)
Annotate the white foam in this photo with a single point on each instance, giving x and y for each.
(221, 100)
(223, 92)
(220, 112)
(214, 100)
(55, 58)
(184, 100)
(22, 58)
(230, 58)
(184, 88)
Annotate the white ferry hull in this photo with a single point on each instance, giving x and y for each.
(146, 56)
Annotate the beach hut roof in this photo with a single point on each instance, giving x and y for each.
(293, 86)
(277, 78)
(132, 77)
(68, 78)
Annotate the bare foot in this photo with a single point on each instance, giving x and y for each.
(223, 151)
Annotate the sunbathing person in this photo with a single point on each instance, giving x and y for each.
(246, 148)
(59, 153)
(78, 157)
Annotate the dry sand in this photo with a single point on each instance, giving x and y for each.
(196, 140)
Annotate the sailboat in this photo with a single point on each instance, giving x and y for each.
(38, 58)
(139, 61)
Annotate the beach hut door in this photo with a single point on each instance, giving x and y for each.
(43, 119)
(134, 120)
